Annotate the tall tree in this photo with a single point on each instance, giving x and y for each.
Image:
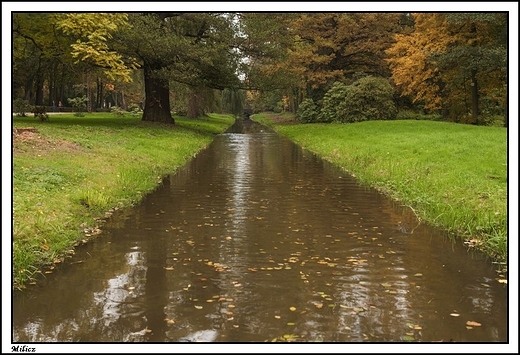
(451, 62)
(333, 47)
(190, 48)
(410, 58)
(41, 57)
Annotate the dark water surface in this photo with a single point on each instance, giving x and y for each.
(258, 240)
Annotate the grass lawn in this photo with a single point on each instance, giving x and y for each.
(73, 170)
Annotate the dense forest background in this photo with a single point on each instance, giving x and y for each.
(324, 67)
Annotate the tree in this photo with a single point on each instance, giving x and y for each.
(413, 70)
(41, 60)
(234, 101)
(451, 61)
(332, 47)
(194, 49)
(479, 55)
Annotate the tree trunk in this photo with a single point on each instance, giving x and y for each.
(157, 97)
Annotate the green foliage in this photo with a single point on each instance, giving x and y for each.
(332, 100)
(21, 107)
(41, 113)
(307, 111)
(369, 98)
(135, 109)
(93, 32)
(411, 115)
(79, 104)
(233, 101)
(117, 111)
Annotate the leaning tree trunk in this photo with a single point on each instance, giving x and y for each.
(157, 97)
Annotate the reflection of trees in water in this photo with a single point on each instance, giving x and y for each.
(112, 314)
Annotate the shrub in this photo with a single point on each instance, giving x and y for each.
(134, 109)
(79, 104)
(411, 115)
(41, 113)
(21, 107)
(307, 111)
(369, 98)
(331, 101)
(117, 111)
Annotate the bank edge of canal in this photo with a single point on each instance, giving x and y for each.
(49, 237)
(71, 173)
(416, 171)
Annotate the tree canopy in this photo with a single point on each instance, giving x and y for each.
(451, 63)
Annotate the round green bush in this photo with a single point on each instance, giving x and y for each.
(307, 111)
(369, 98)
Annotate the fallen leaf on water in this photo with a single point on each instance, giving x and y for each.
(169, 268)
(418, 274)
(407, 338)
(502, 281)
(473, 324)
(277, 317)
(290, 323)
(319, 305)
(454, 314)
(198, 307)
(292, 309)
(386, 284)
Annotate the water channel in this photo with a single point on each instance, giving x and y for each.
(258, 240)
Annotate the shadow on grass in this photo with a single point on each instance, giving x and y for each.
(204, 126)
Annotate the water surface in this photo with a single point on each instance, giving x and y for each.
(257, 240)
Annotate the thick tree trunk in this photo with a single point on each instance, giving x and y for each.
(157, 97)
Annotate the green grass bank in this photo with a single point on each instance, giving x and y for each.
(453, 176)
(72, 172)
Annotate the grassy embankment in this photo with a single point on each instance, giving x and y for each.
(75, 170)
(453, 176)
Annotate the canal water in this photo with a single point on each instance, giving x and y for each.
(258, 240)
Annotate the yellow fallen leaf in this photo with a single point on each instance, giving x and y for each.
(292, 309)
(473, 324)
(454, 314)
(198, 307)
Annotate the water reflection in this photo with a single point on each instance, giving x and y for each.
(256, 239)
